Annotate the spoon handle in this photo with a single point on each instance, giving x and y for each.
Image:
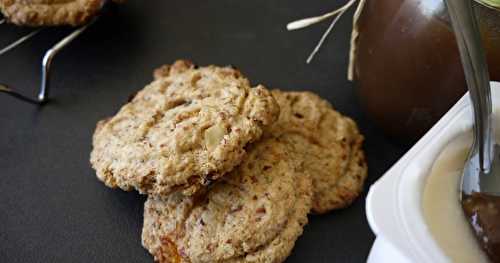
(476, 73)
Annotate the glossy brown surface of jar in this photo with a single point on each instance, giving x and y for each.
(490, 32)
(407, 66)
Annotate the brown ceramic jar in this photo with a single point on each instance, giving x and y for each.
(406, 64)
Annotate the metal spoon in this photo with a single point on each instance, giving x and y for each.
(480, 188)
(482, 170)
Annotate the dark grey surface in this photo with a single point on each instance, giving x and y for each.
(53, 209)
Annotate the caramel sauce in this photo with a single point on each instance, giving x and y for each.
(483, 213)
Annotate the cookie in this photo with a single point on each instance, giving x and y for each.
(330, 145)
(184, 130)
(50, 12)
(255, 214)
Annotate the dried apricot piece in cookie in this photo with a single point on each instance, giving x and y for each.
(255, 214)
(187, 128)
(330, 145)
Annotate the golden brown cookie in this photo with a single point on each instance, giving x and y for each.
(329, 143)
(187, 128)
(50, 12)
(254, 214)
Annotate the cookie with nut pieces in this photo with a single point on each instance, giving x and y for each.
(329, 143)
(253, 215)
(50, 12)
(187, 128)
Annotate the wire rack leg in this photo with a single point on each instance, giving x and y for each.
(49, 56)
(18, 42)
(46, 63)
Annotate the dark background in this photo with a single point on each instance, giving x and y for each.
(53, 209)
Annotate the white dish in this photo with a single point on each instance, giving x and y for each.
(394, 202)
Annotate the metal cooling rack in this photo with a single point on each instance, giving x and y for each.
(44, 86)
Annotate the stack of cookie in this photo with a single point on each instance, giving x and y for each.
(231, 171)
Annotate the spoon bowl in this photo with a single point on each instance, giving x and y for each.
(477, 180)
